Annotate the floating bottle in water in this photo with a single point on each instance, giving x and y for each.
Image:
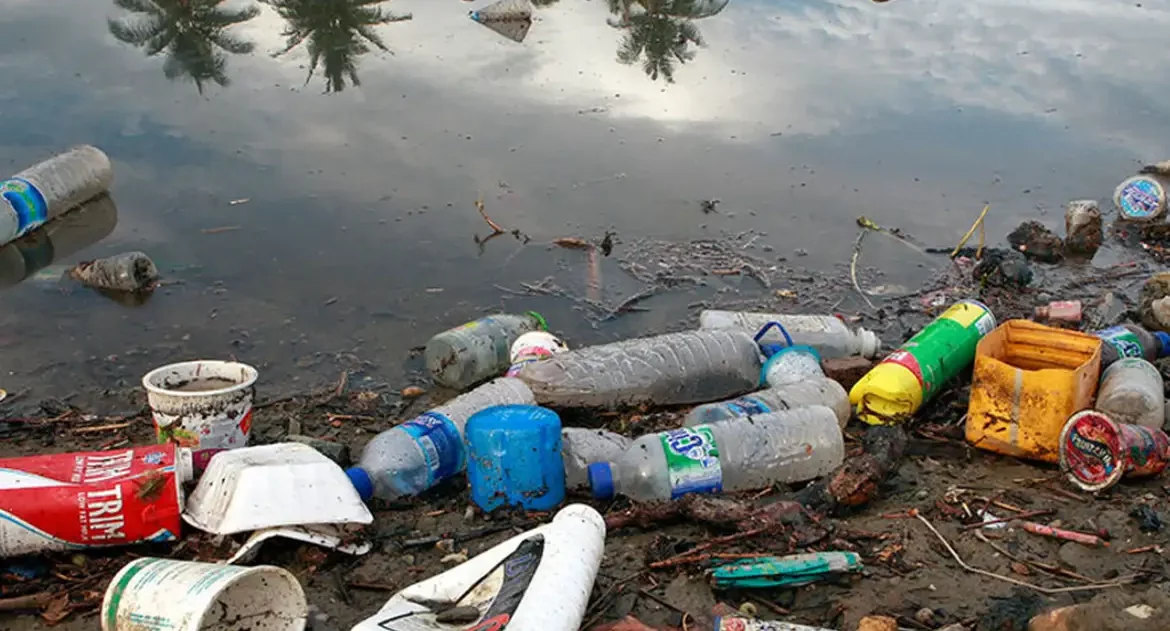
(479, 350)
(795, 396)
(50, 188)
(412, 457)
(674, 368)
(828, 334)
(781, 447)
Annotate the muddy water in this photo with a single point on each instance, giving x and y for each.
(316, 213)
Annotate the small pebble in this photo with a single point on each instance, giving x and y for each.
(412, 392)
(454, 558)
(925, 616)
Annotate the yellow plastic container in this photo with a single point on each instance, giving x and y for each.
(1029, 378)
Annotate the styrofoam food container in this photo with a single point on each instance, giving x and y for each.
(206, 421)
(150, 593)
(285, 484)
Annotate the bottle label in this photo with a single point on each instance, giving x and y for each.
(441, 445)
(692, 461)
(26, 201)
(1125, 341)
(747, 406)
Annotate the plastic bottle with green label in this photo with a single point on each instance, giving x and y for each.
(780, 447)
(479, 350)
(898, 386)
(1131, 340)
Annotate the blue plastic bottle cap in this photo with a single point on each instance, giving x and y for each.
(601, 479)
(361, 481)
(1163, 343)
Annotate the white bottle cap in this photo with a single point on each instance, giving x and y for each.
(871, 344)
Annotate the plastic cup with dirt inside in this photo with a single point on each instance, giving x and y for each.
(152, 593)
(203, 405)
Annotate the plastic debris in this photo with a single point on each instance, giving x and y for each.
(787, 571)
(510, 18)
(52, 188)
(132, 272)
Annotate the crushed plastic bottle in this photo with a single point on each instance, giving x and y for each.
(582, 447)
(1131, 392)
(479, 350)
(51, 188)
(795, 396)
(781, 447)
(675, 368)
(130, 272)
(1131, 340)
(828, 334)
(410, 458)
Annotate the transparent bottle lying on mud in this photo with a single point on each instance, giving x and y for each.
(479, 350)
(780, 447)
(828, 334)
(410, 458)
(1131, 392)
(817, 391)
(669, 369)
(581, 447)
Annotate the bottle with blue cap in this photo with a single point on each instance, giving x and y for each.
(725, 457)
(1131, 340)
(410, 458)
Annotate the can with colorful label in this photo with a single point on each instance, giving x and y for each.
(91, 499)
(898, 386)
(1096, 451)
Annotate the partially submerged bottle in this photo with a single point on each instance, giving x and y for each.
(669, 369)
(795, 396)
(1131, 340)
(50, 188)
(1131, 392)
(581, 447)
(479, 350)
(410, 458)
(828, 334)
(781, 447)
(894, 389)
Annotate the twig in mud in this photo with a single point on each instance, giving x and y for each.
(662, 601)
(627, 305)
(982, 233)
(21, 603)
(1008, 579)
(1001, 520)
(853, 267)
(100, 428)
(373, 587)
(681, 558)
(496, 229)
(599, 605)
(1053, 570)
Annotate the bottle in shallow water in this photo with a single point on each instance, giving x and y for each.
(793, 397)
(50, 188)
(1131, 392)
(781, 447)
(412, 457)
(828, 334)
(894, 389)
(669, 369)
(479, 350)
(1131, 340)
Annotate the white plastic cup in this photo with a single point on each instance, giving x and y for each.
(203, 405)
(151, 593)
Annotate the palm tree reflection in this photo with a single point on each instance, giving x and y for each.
(192, 33)
(661, 33)
(337, 32)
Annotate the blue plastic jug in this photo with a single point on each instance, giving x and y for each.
(514, 458)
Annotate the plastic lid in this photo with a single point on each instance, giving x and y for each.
(1091, 450)
(539, 319)
(361, 481)
(1163, 343)
(601, 479)
(871, 344)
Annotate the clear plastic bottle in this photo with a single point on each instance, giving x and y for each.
(1131, 340)
(794, 396)
(50, 188)
(780, 447)
(675, 368)
(410, 458)
(828, 334)
(479, 350)
(1131, 392)
(581, 447)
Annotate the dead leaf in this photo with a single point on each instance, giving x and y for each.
(57, 610)
(412, 392)
(1020, 568)
(785, 293)
(574, 243)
